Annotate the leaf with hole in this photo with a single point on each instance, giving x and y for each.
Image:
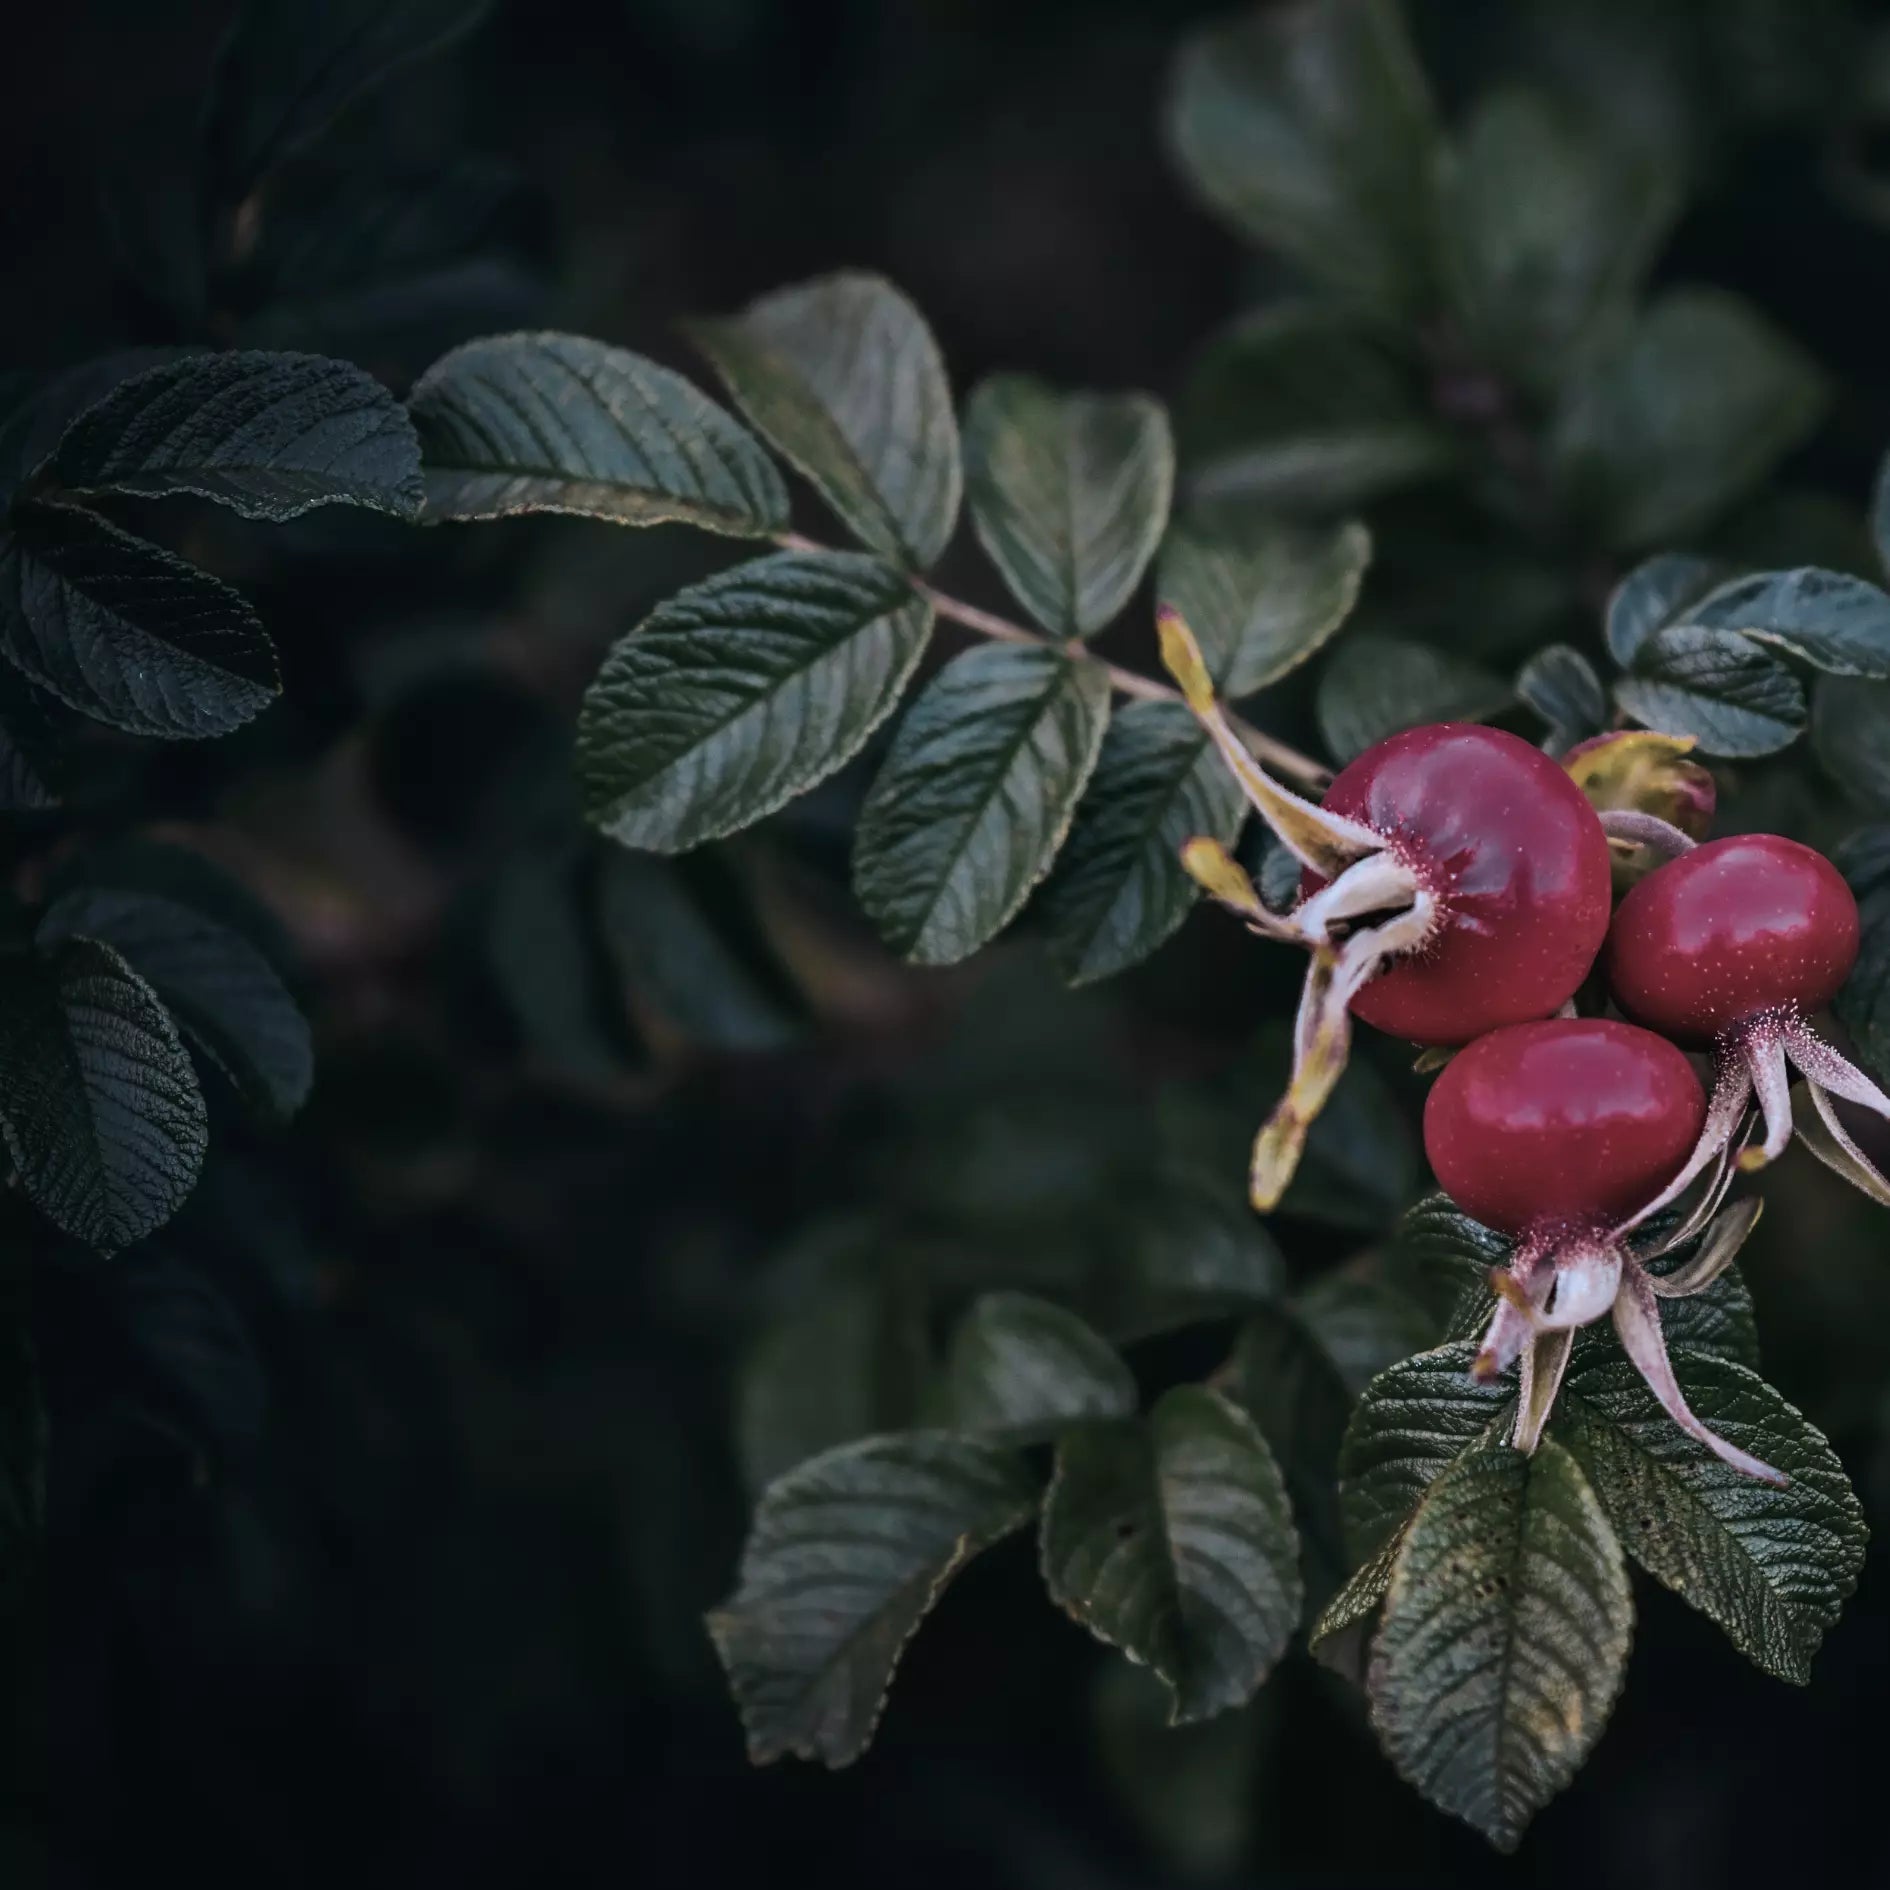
(1732, 697)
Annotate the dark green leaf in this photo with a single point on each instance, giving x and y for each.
(100, 1110)
(1022, 1369)
(556, 423)
(32, 747)
(1850, 730)
(1836, 623)
(743, 691)
(1771, 1566)
(1341, 1637)
(976, 796)
(286, 71)
(1364, 1324)
(1658, 591)
(1301, 408)
(843, 376)
(126, 633)
(1504, 1640)
(219, 987)
(1443, 1257)
(1170, 1538)
(1182, 1253)
(1374, 686)
(269, 435)
(33, 428)
(1731, 696)
(1560, 684)
(1864, 1003)
(845, 1558)
(1069, 493)
(1262, 599)
(190, 1340)
(1681, 416)
(1309, 128)
(1119, 890)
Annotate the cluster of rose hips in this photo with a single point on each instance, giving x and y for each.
(1457, 890)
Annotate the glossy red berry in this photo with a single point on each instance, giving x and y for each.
(1568, 1123)
(1735, 928)
(1518, 862)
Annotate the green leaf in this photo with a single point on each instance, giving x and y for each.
(1680, 416)
(1170, 1538)
(1772, 1567)
(1414, 1421)
(556, 423)
(100, 1110)
(1341, 1637)
(846, 1556)
(1442, 1256)
(1375, 686)
(1836, 623)
(1863, 1006)
(1659, 590)
(1309, 128)
(843, 376)
(1069, 494)
(218, 986)
(33, 761)
(1022, 1369)
(1181, 1253)
(285, 72)
(269, 435)
(1552, 230)
(743, 691)
(1118, 891)
(1504, 1640)
(32, 429)
(1560, 684)
(1850, 731)
(1731, 696)
(126, 633)
(976, 796)
(1263, 599)
(1303, 408)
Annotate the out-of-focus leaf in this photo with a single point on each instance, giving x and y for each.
(1659, 590)
(1731, 696)
(1560, 684)
(1181, 1253)
(191, 1341)
(33, 759)
(1374, 686)
(1021, 1369)
(1864, 1003)
(1850, 730)
(1835, 623)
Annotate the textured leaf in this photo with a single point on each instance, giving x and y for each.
(1731, 696)
(1864, 1003)
(1504, 1639)
(1560, 684)
(1682, 415)
(1170, 1538)
(32, 429)
(1850, 729)
(126, 633)
(1262, 599)
(741, 692)
(1069, 493)
(843, 376)
(286, 71)
(1552, 228)
(1301, 408)
(269, 435)
(556, 423)
(1771, 1566)
(100, 1109)
(1118, 891)
(1022, 1368)
(976, 796)
(1374, 686)
(1309, 128)
(1658, 591)
(1836, 623)
(1340, 1638)
(218, 986)
(846, 1556)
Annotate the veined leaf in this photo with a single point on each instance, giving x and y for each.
(100, 1107)
(1119, 891)
(556, 423)
(743, 691)
(846, 1556)
(33, 427)
(843, 376)
(126, 633)
(1021, 1369)
(269, 435)
(1171, 1539)
(1659, 590)
(1732, 697)
(1374, 686)
(1504, 1639)
(976, 796)
(1834, 622)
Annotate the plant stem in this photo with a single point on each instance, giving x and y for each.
(1128, 682)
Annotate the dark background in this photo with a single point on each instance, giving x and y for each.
(399, 1577)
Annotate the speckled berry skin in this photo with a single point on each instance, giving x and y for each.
(1515, 855)
(1736, 929)
(1567, 1124)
